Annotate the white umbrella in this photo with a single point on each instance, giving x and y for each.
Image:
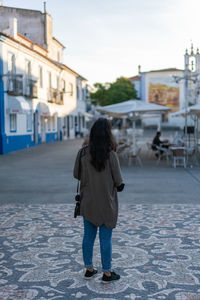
(181, 112)
(134, 109)
(192, 110)
(195, 109)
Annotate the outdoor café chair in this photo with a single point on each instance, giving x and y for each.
(178, 156)
(150, 150)
(122, 151)
(135, 157)
(166, 154)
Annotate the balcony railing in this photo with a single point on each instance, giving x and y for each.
(31, 89)
(15, 85)
(55, 96)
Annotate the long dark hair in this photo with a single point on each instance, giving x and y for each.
(101, 142)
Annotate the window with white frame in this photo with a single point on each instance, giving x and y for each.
(49, 86)
(29, 120)
(28, 69)
(49, 79)
(40, 77)
(27, 77)
(77, 91)
(13, 122)
(63, 85)
(71, 89)
(58, 56)
(11, 63)
(57, 82)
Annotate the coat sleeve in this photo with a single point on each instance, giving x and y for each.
(115, 169)
(76, 165)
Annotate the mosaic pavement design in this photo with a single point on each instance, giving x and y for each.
(156, 249)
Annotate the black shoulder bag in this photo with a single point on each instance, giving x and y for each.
(78, 197)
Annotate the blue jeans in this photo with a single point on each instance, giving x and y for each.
(105, 236)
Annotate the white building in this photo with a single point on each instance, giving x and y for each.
(160, 87)
(171, 87)
(41, 99)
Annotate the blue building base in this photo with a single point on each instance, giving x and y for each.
(51, 137)
(17, 142)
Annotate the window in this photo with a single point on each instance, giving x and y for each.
(29, 121)
(71, 88)
(49, 79)
(63, 85)
(49, 87)
(28, 69)
(27, 77)
(11, 63)
(40, 77)
(58, 56)
(77, 90)
(57, 82)
(13, 122)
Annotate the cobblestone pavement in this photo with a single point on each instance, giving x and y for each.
(156, 249)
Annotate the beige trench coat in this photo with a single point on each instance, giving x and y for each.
(99, 202)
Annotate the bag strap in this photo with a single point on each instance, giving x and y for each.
(79, 172)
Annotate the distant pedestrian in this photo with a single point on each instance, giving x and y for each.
(76, 130)
(100, 180)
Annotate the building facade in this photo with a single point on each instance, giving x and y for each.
(175, 88)
(160, 87)
(41, 99)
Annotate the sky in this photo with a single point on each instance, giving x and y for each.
(106, 39)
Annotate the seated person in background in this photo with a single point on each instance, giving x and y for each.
(159, 143)
(178, 139)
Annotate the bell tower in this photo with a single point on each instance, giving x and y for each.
(192, 60)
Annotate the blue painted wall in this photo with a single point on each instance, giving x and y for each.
(51, 137)
(2, 125)
(17, 142)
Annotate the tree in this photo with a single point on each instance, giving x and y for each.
(111, 93)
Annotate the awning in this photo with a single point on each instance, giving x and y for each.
(17, 105)
(46, 110)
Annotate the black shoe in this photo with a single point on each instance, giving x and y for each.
(90, 275)
(108, 279)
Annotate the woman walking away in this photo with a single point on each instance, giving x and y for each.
(100, 180)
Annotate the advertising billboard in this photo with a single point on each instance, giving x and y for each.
(164, 91)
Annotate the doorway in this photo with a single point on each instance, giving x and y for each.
(68, 127)
(43, 129)
(35, 120)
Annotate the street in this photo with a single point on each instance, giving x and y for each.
(43, 174)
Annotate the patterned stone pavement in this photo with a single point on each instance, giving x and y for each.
(156, 249)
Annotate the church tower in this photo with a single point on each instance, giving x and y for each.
(192, 60)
